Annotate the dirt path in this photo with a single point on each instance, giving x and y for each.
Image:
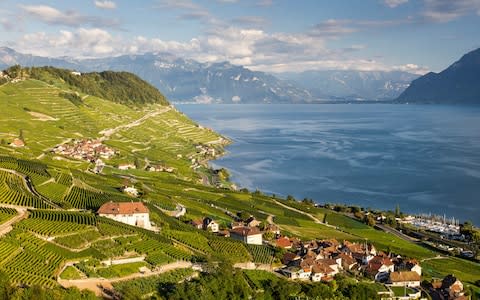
(95, 284)
(106, 133)
(6, 227)
(315, 219)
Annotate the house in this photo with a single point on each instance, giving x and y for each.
(131, 190)
(289, 257)
(452, 287)
(294, 272)
(76, 73)
(234, 225)
(252, 222)
(248, 235)
(348, 262)
(132, 213)
(413, 265)
(126, 166)
(379, 267)
(404, 278)
(334, 264)
(283, 242)
(272, 228)
(209, 224)
(17, 143)
(197, 224)
(322, 272)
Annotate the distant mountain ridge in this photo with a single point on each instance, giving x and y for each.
(187, 80)
(459, 84)
(181, 80)
(353, 85)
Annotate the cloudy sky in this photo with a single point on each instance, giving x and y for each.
(266, 35)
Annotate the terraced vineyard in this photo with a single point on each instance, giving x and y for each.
(51, 228)
(262, 254)
(7, 213)
(14, 191)
(232, 250)
(84, 218)
(82, 198)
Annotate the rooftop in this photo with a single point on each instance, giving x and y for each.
(123, 208)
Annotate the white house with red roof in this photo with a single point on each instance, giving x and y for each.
(132, 213)
(248, 235)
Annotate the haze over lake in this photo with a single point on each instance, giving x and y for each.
(426, 158)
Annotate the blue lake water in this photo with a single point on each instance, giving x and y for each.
(426, 158)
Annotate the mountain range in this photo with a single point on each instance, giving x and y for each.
(459, 84)
(187, 80)
(353, 85)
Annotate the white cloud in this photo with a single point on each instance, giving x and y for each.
(448, 10)
(80, 43)
(411, 68)
(105, 4)
(394, 3)
(53, 16)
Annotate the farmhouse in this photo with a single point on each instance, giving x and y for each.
(405, 278)
(126, 166)
(17, 143)
(248, 235)
(210, 224)
(132, 213)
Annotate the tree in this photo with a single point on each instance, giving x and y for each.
(6, 288)
(369, 220)
(243, 215)
(397, 211)
(290, 198)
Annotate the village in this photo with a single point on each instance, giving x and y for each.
(315, 260)
(87, 149)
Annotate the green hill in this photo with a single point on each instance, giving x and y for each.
(57, 235)
(120, 87)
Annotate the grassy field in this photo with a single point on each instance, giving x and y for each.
(122, 270)
(70, 273)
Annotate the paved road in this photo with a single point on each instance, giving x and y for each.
(397, 233)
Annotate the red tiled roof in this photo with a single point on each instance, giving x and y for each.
(320, 267)
(347, 259)
(245, 231)
(18, 142)
(283, 242)
(404, 276)
(327, 261)
(377, 262)
(288, 257)
(197, 222)
(123, 208)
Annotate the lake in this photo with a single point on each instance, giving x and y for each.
(426, 158)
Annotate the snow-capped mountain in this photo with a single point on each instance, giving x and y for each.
(353, 85)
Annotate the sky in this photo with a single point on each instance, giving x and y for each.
(266, 35)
